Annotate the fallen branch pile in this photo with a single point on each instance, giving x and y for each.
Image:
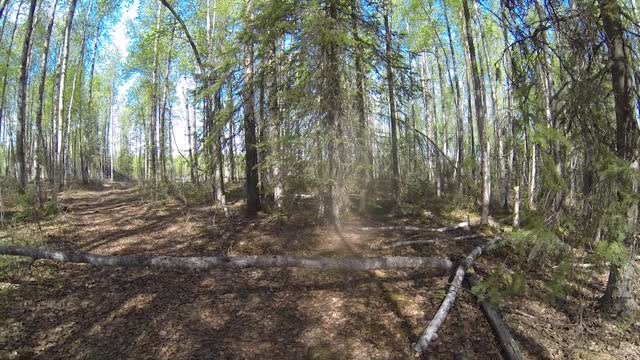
(259, 261)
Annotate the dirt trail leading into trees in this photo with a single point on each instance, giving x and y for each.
(78, 311)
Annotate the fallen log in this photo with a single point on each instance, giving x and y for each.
(430, 332)
(462, 225)
(258, 261)
(508, 345)
(426, 241)
(468, 237)
(406, 243)
(393, 228)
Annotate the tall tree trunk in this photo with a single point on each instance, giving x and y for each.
(508, 65)
(232, 134)
(60, 106)
(22, 98)
(395, 166)
(425, 104)
(250, 141)
(548, 89)
(5, 79)
(156, 106)
(3, 6)
(618, 298)
(457, 103)
(85, 160)
(275, 128)
(480, 117)
(443, 107)
(42, 149)
(219, 173)
(365, 156)
(485, 72)
(192, 168)
(163, 110)
(472, 138)
(194, 137)
(332, 107)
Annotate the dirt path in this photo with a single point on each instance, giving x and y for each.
(77, 311)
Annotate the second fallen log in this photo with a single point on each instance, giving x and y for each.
(430, 332)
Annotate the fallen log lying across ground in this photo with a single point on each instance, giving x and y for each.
(258, 261)
(508, 345)
(393, 227)
(430, 332)
(462, 225)
(427, 241)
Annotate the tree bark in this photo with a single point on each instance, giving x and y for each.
(395, 166)
(274, 128)
(332, 109)
(3, 7)
(5, 80)
(430, 332)
(365, 154)
(57, 154)
(618, 298)
(508, 345)
(22, 98)
(258, 261)
(41, 154)
(457, 103)
(250, 141)
(480, 117)
(232, 135)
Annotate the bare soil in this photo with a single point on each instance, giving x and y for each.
(53, 311)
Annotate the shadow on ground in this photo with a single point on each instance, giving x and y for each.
(53, 311)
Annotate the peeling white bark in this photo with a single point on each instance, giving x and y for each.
(259, 261)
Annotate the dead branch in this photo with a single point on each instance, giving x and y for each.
(462, 225)
(430, 332)
(406, 243)
(258, 261)
(427, 241)
(468, 237)
(391, 228)
(508, 345)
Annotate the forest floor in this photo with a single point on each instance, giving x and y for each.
(51, 311)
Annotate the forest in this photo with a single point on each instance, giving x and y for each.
(319, 179)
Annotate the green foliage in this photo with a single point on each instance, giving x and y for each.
(28, 205)
(189, 192)
(551, 178)
(559, 286)
(611, 251)
(502, 283)
(535, 244)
